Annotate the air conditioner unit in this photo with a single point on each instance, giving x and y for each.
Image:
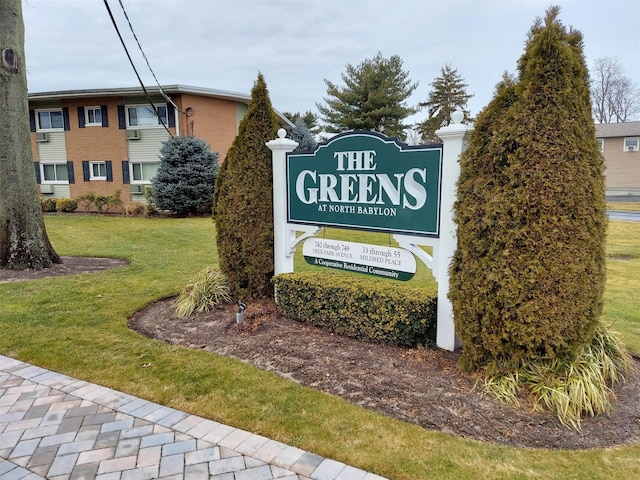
(137, 189)
(630, 148)
(42, 137)
(133, 134)
(46, 188)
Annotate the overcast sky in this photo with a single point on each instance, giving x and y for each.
(296, 44)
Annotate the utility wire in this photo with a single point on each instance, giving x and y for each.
(145, 57)
(155, 109)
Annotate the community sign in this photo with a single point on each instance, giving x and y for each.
(368, 181)
(377, 260)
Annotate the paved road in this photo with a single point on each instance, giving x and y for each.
(59, 428)
(624, 216)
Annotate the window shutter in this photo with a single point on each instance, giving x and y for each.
(171, 115)
(72, 178)
(122, 122)
(38, 179)
(85, 170)
(65, 119)
(109, 169)
(32, 120)
(81, 117)
(125, 172)
(105, 118)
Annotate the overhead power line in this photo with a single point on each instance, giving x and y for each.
(144, 89)
(145, 56)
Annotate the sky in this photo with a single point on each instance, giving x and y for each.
(297, 44)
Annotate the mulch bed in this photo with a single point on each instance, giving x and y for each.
(420, 386)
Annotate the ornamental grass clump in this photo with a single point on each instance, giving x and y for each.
(572, 388)
(205, 290)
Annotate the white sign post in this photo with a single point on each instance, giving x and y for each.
(284, 234)
(285, 239)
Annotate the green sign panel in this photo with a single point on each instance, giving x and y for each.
(367, 181)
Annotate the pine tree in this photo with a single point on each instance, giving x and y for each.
(309, 119)
(527, 278)
(373, 98)
(186, 177)
(448, 94)
(243, 201)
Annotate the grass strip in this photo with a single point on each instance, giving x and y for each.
(77, 325)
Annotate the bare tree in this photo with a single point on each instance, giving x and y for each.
(614, 96)
(24, 243)
(413, 137)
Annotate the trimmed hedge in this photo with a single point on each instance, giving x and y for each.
(362, 308)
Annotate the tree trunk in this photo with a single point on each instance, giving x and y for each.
(24, 243)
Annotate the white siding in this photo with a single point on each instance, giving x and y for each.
(147, 148)
(53, 151)
(61, 191)
(241, 111)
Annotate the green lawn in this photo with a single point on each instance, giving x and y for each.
(78, 325)
(624, 206)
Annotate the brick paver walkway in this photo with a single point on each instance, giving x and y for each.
(56, 427)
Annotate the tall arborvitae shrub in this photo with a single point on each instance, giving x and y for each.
(186, 176)
(243, 201)
(527, 279)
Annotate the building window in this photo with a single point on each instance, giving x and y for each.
(143, 172)
(601, 144)
(631, 144)
(98, 170)
(50, 119)
(54, 172)
(145, 116)
(93, 116)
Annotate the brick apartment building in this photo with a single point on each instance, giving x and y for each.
(108, 139)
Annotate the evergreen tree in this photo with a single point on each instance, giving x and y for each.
(448, 94)
(243, 201)
(186, 177)
(309, 119)
(301, 134)
(527, 278)
(373, 98)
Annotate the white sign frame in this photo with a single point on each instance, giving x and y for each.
(286, 236)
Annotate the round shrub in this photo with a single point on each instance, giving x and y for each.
(48, 204)
(134, 209)
(66, 205)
